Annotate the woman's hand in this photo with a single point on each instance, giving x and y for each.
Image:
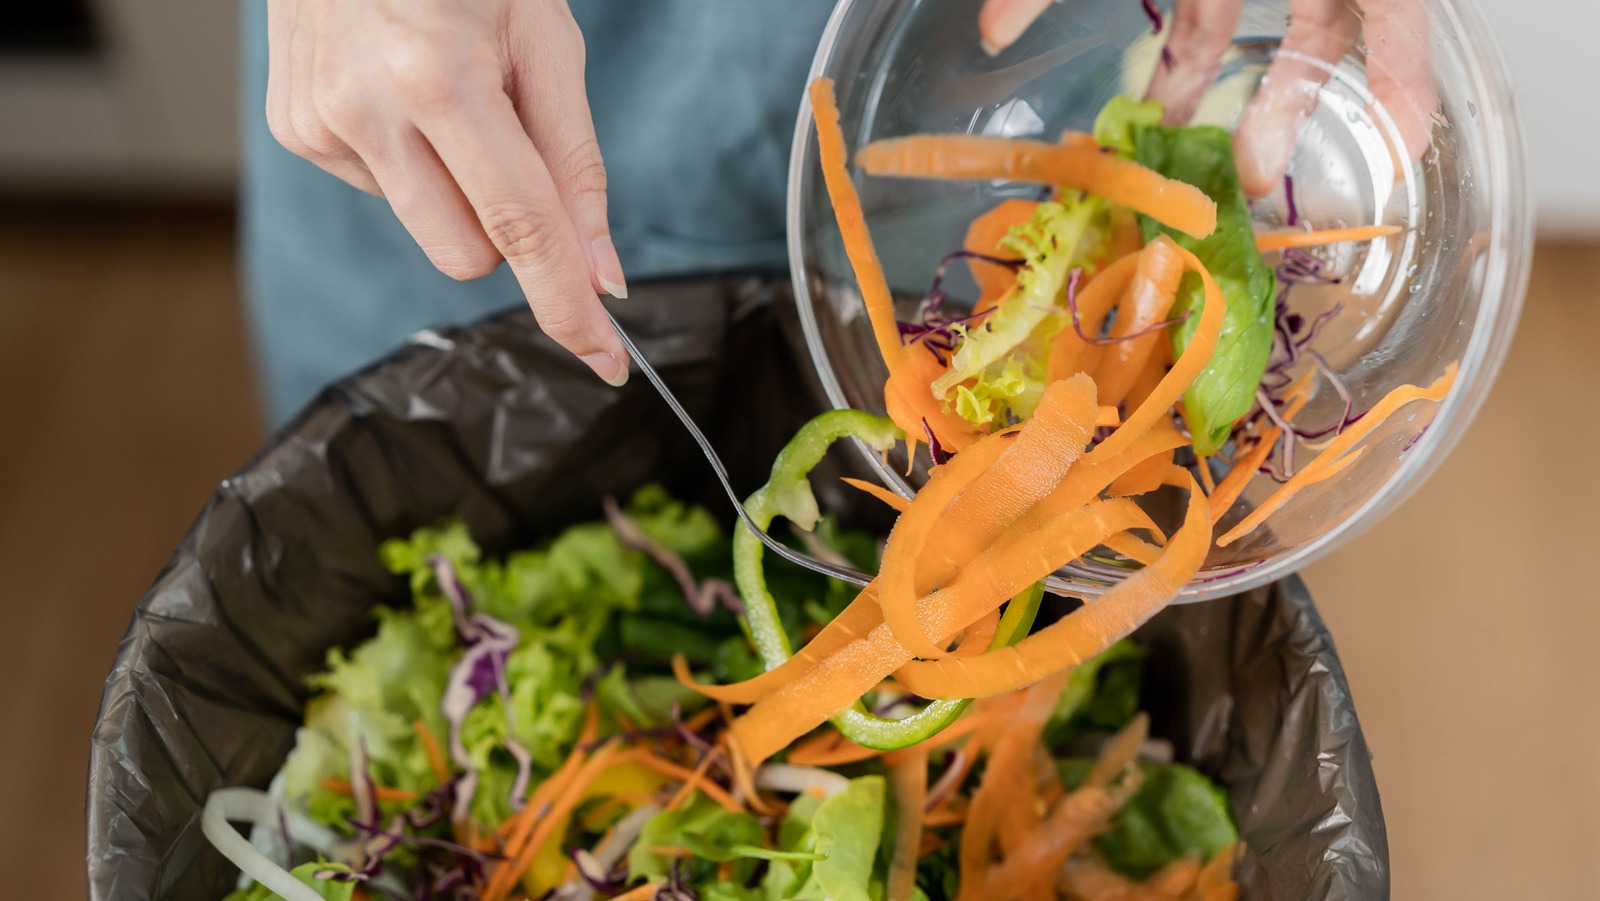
(470, 118)
(1399, 69)
(1321, 32)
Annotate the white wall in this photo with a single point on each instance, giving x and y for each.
(1555, 64)
(161, 114)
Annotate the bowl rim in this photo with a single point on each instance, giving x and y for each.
(1509, 256)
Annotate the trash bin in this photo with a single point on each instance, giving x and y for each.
(495, 424)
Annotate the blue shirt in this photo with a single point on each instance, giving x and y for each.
(694, 105)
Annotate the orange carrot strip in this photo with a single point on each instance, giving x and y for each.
(1087, 877)
(975, 640)
(1070, 354)
(1133, 548)
(1278, 240)
(959, 156)
(909, 776)
(1027, 467)
(1208, 482)
(984, 236)
(894, 501)
(643, 893)
(520, 856)
(907, 405)
(943, 816)
(1189, 365)
(995, 794)
(647, 759)
(1086, 631)
(743, 779)
(380, 792)
(430, 747)
(1078, 140)
(1176, 879)
(846, 203)
(1318, 468)
(999, 574)
(858, 619)
(1247, 464)
(1147, 302)
(1126, 236)
(693, 782)
(1107, 417)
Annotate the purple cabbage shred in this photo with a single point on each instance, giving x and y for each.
(1154, 13)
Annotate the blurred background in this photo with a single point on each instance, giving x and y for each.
(1467, 621)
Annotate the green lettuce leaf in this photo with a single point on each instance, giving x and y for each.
(1102, 694)
(1061, 235)
(702, 826)
(1224, 391)
(331, 889)
(848, 827)
(1115, 125)
(1177, 812)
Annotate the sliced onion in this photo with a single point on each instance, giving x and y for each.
(250, 806)
(610, 850)
(786, 777)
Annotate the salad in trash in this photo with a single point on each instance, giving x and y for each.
(518, 732)
(642, 709)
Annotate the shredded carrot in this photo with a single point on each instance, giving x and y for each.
(693, 782)
(944, 816)
(519, 856)
(649, 760)
(1278, 240)
(975, 640)
(1133, 548)
(1247, 464)
(743, 780)
(643, 893)
(1070, 354)
(907, 372)
(1080, 140)
(894, 501)
(430, 747)
(1084, 632)
(909, 775)
(1176, 879)
(960, 156)
(930, 844)
(1146, 303)
(1026, 469)
(984, 236)
(1195, 358)
(1322, 466)
(701, 720)
(1208, 482)
(380, 792)
(996, 793)
(1107, 417)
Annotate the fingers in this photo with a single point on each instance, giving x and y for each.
(1202, 31)
(553, 108)
(475, 130)
(1320, 33)
(291, 109)
(1400, 69)
(431, 206)
(1001, 22)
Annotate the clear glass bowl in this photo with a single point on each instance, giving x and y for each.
(1448, 287)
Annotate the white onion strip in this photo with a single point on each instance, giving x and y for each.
(250, 806)
(786, 777)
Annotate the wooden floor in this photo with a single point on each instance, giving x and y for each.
(1469, 621)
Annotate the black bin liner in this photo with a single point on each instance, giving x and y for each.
(495, 424)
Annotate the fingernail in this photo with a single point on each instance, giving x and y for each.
(610, 369)
(608, 268)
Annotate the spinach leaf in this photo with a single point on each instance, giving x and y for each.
(1177, 812)
(1203, 156)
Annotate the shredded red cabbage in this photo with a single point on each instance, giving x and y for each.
(480, 671)
(703, 597)
(1076, 276)
(934, 330)
(1288, 197)
(1154, 13)
(935, 449)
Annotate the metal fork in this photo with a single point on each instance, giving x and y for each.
(827, 568)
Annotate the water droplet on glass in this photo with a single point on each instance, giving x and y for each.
(1472, 109)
